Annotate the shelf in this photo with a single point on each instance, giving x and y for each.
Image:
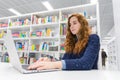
(3, 28)
(43, 38)
(34, 51)
(27, 27)
(45, 24)
(50, 52)
(63, 37)
(22, 51)
(3, 51)
(1, 40)
(63, 22)
(20, 38)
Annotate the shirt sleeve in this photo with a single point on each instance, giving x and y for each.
(63, 64)
(65, 56)
(88, 59)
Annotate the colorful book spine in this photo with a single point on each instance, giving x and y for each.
(63, 29)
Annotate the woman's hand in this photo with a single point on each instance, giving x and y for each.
(42, 59)
(46, 65)
(45, 59)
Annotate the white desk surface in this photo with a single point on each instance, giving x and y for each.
(7, 72)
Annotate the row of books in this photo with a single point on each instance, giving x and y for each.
(63, 29)
(3, 24)
(62, 46)
(2, 34)
(44, 46)
(32, 57)
(2, 47)
(22, 34)
(27, 58)
(84, 13)
(19, 22)
(23, 57)
(22, 45)
(44, 32)
(27, 21)
(35, 47)
(4, 57)
(64, 17)
(41, 20)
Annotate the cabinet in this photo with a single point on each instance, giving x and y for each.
(43, 33)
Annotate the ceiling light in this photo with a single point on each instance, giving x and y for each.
(47, 5)
(15, 12)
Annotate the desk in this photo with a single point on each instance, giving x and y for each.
(7, 72)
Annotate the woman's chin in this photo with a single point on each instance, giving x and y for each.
(74, 33)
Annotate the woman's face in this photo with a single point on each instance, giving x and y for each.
(74, 25)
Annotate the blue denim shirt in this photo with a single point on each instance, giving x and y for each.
(87, 59)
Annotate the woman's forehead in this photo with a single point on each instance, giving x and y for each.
(73, 19)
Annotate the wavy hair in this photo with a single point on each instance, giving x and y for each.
(75, 44)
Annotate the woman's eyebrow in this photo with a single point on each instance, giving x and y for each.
(74, 21)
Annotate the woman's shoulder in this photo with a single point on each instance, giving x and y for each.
(94, 37)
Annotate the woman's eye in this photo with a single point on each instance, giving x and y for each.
(74, 23)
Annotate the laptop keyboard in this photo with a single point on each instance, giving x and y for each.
(26, 67)
(34, 70)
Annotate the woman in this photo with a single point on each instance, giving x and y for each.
(82, 48)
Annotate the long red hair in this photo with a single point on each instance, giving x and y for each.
(71, 46)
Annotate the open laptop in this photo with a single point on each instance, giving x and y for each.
(14, 58)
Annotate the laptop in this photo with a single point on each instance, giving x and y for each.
(14, 58)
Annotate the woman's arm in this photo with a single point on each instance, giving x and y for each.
(84, 63)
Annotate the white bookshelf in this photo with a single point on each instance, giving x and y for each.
(50, 21)
(112, 54)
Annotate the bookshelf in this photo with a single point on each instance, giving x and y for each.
(112, 54)
(43, 33)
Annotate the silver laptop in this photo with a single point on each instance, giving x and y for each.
(14, 58)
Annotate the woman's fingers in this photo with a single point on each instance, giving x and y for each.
(39, 63)
(44, 65)
(41, 68)
(35, 65)
(44, 59)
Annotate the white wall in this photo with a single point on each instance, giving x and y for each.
(116, 12)
(106, 17)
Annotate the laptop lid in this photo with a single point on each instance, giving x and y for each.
(13, 55)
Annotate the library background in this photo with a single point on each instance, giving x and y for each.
(38, 31)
